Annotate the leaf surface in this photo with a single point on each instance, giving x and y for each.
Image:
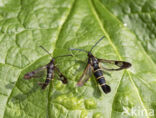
(139, 17)
(58, 26)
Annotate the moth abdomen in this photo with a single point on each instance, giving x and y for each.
(98, 73)
(106, 88)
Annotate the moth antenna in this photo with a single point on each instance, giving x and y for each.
(96, 43)
(45, 50)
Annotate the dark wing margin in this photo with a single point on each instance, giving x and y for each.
(120, 64)
(85, 76)
(33, 73)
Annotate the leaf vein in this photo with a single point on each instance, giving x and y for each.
(115, 49)
(57, 38)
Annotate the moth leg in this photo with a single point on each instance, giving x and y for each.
(62, 77)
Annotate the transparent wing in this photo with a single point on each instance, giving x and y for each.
(36, 73)
(60, 76)
(113, 65)
(85, 76)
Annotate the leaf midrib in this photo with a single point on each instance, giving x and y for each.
(57, 38)
(115, 49)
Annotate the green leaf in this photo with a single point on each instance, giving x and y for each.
(139, 17)
(60, 25)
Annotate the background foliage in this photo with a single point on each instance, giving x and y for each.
(129, 30)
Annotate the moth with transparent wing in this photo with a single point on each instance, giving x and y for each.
(94, 66)
(51, 70)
